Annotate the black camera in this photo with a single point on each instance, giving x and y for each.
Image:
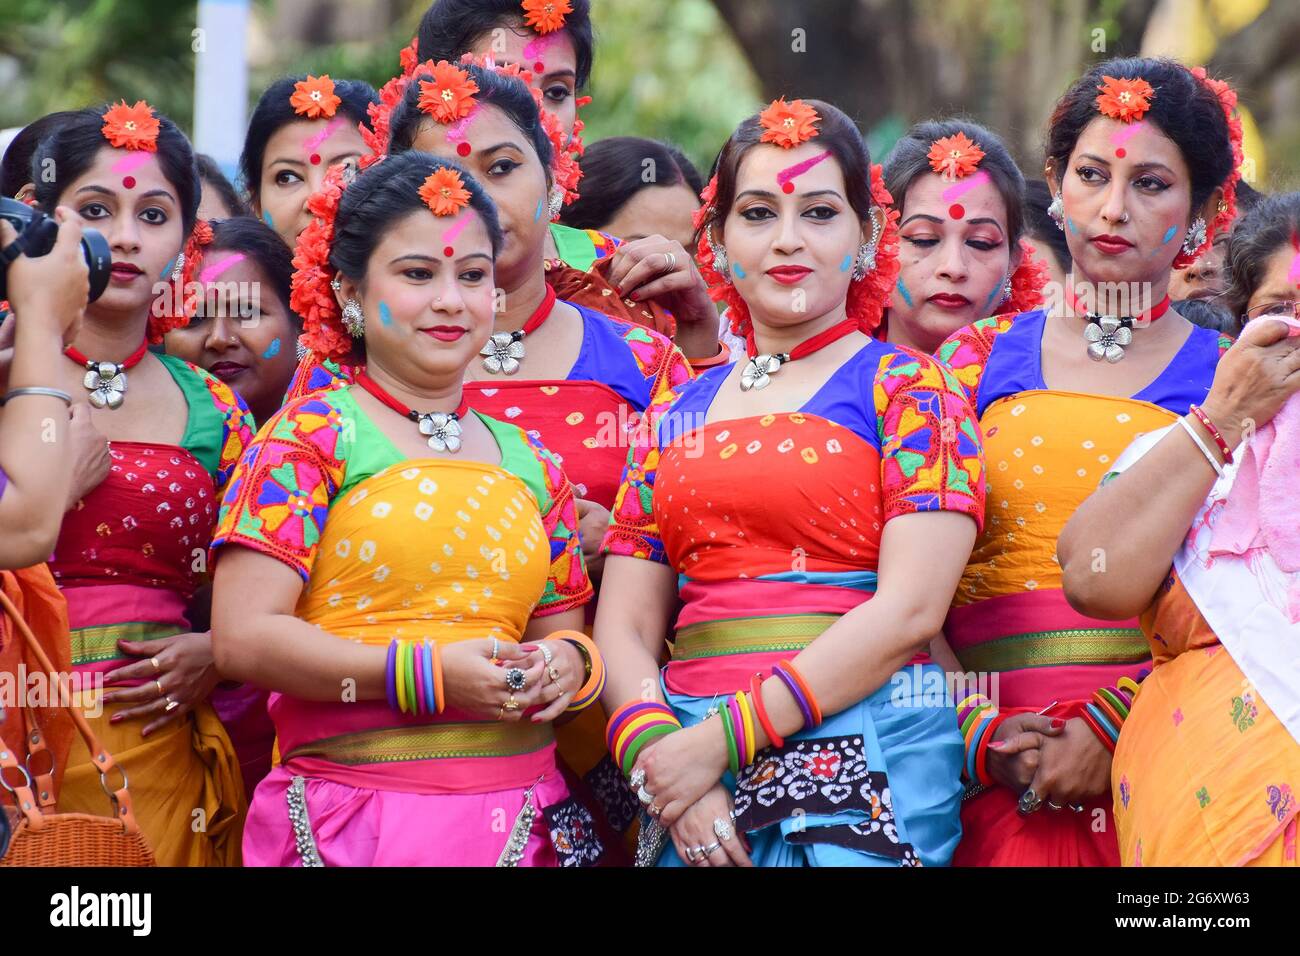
(37, 234)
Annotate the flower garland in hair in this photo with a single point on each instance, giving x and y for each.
(310, 294)
(1227, 212)
(1027, 283)
(867, 299)
(180, 305)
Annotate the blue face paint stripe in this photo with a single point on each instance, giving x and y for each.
(266, 216)
(740, 273)
(541, 204)
(848, 261)
(1073, 228)
(385, 314)
(272, 350)
(1173, 231)
(993, 299)
(902, 290)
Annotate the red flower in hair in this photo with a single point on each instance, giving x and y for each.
(1227, 211)
(131, 127)
(546, 16)
(310, 294)
(444, 192)
(409, 58)
(788, 124)
(450, 96)
(182, 289)
(1124, 100)
(1027, 283)
(314, 97)
(953, 157)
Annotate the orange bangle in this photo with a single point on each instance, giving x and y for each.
(756, 695)
(703, 365)
(437, 678)
(595, 683)
(812, 699)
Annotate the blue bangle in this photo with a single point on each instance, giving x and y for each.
(390, 675)
(1104, 722)
(427, 651)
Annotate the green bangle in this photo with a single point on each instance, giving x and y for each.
(643, 738)
(733, 755)
(414, 701)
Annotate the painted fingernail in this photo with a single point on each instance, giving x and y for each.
(115, 718)
(998, 744)
(528, 647)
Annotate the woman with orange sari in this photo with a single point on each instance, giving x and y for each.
(1142, 154)
(1207, 765)
(130, 554)
(404, 575)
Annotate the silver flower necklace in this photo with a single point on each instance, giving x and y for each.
(760, 368)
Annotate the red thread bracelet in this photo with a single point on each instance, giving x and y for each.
(756, 695)
(1204, 419)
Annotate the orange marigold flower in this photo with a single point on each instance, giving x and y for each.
(451, 94)
(788, 124)
(444, 192)
(545, 16)
(132, 127)
(1124, 100)
(314, 97)
(953, 157)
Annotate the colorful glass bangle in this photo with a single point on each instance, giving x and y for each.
(1108, 711)
(644, 737)
(614, 726)
(969, 704)
(747, 714)
(796, 693)
(1210, 427)
(737, 732)
(401, 677)
(1129, 684)
(756, 695)
(799, 687)
(417, 674)
(1116, 701)
(982, 752)
(972, 717)
(439, 690)
(430, 696)
(412, 702)
(733, 755)
(643, 724)
(390, 675)
(1100, 726)
(591, 690)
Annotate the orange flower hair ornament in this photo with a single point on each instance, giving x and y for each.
(310, 292)
(450, 95)
(131, 127)
(314, 97)
(788, 124)
(1227, 210)
(444, 192)
(953, 157)
(1125, 100)
(868, 297)
(178, 299)
(545, 16)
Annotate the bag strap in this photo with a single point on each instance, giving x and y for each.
(102, 759)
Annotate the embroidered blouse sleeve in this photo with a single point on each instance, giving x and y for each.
(633, 531)
(931, 449)
(966, 352)
(661, 363)
(279, 495)
(237, 426)
(567, 584)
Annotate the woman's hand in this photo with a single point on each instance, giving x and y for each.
(90, 457)
(696, 829)
(562, 678)
(660, 269)
(1015, 751)
(1253, 379)
(1073, 766)
(477, 686)
(682, 766)
(593, 520)
(178, 676)
(51, 290)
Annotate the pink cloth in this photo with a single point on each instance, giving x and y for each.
(357, 826)
(1261, 509)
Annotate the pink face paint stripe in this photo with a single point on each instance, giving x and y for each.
(798, 169)
(220, 266)
(537, 47)
(965, 186)
(455, 228)
(132, 160)
(325, 134)
(1293, 275)
(456, 131)
(1123, 135)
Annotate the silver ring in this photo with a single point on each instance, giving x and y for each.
(156, 666)
(723, 829)
(547, 653)
(1055, 806)
(637, 780)
(692, 853)
(171, 704)
(713, 847)
(671, 258)
(496, 646)
(1029, 802)
(1077, 807)
(516, 679)
(644, 795)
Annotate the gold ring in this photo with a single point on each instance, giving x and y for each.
(171, 704)
(553, 674)
(159, 685)
(511, 704)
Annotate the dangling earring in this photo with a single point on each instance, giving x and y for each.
(353, 320)
(1006, 288)
(555, 201)
(1056, 212)
(300, 351)
(179, 267)
(1195, 236)
(720, 264)
(866, 258)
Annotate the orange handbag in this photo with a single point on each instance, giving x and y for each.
(43, 837)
